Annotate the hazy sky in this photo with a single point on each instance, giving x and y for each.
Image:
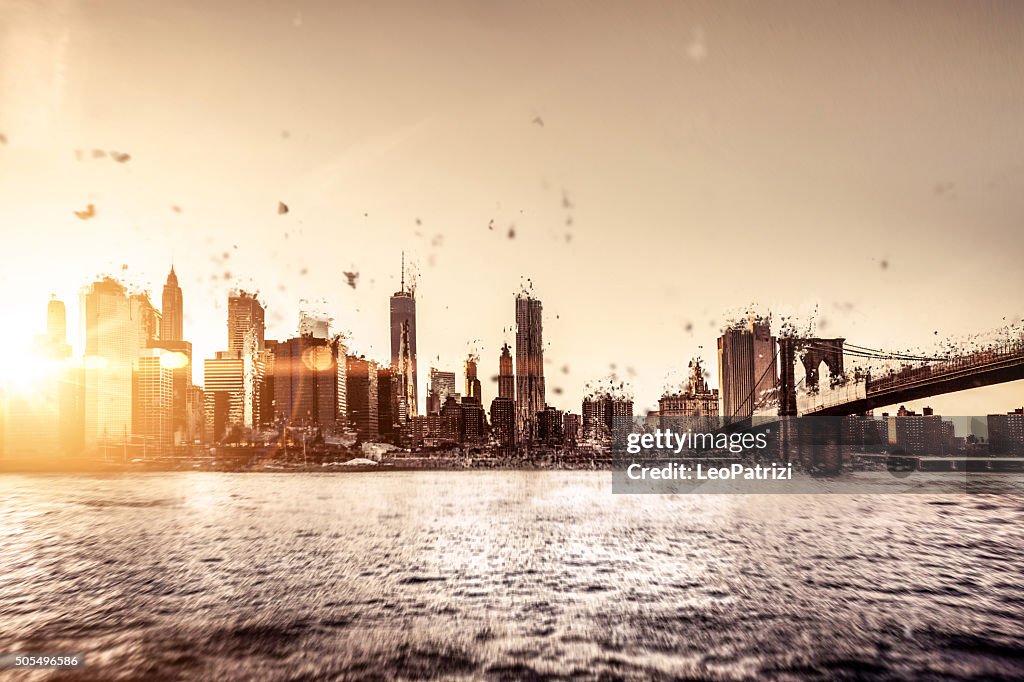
(709, 156)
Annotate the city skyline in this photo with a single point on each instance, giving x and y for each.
(675, 163)
(244, 324)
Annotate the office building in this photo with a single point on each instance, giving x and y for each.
(747, 366)
(245, 322)
(362, 397)
(403, 340)
(529, 365)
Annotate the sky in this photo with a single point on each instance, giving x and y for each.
(652, 168)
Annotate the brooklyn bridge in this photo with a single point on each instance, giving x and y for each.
(856, 392)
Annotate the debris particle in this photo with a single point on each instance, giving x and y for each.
(285, 134)
(99, 154)
(884, 264)
(565, 200)
(304, 271)
(282, 208)
(538, 121)
(121, 157)
(557, 390)
(3, 139)
(568, 237)
(490, 225)
(353, 278)
(419, 222)
(565, 369)
(89, 212)
(176, 208)
(512, 232)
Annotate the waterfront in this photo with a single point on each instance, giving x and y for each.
(503, 575)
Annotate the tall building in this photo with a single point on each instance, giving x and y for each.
(153, 399)
(529, 365)
(503, 423)
(442, 384)
(315, 325)
(549, 426)
(604, 414)
(45, 422)
(178, 359)
(227, 395)
(405, 373)
(54, 343)
(403, 339)
(145, 319)
(388, 404)
(571, 425)
(472, 420)
(111, 346)
(473, 387)
(310, 382)
(245, 318)
(506, 376)
(363, 398)
(172, 310)
(747, 366)
(696, 402)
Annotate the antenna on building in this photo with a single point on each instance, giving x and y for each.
(403, 272)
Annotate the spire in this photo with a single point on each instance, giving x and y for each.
(403, 272)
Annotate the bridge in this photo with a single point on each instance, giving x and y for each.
(917, 376)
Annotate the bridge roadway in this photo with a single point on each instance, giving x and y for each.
(930, 380)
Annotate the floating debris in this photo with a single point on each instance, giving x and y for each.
(176, 208)
(3, 139)
(99, 154)
(538, 121)
(282, 208)
(353, 278)
(512, 232)
(121, 157)
(89, 212)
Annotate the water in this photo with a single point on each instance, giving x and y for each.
(503, 575)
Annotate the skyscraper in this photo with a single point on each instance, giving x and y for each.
(473, 387)
(57, 330)
(172, 310)
(746, 365)
(310, 381)
(403, 327)
(153, 399)
(227, 397)
(529, 365)
(245, 316)
(442, 384)
(506, 377)
(111, 346)
(362, 397)
(503, 424)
